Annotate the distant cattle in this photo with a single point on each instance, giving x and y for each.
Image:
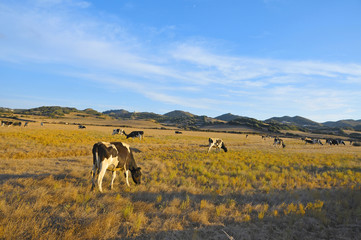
(313, 141)
(335, 141)
(117, 131)
(81, 127)
(278, 142)
(264, 137)
(134, 134)
(178, 132)
(114, 156)
(217, 143)
(17, 124)
(6, 123)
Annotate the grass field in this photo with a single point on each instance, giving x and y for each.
(254, 191)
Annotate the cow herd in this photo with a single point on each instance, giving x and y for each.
(313, 141)
(118, 156)
(327, 141)
(11, 123)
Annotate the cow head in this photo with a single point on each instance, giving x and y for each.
(136, 175)
(224, 147)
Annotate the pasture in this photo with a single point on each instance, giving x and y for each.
(254, 191)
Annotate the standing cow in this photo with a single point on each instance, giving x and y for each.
(114, 156)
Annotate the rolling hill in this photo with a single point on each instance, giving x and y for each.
(297, 120)
(228, 117)
(188, 120)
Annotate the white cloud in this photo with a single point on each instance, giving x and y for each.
(107, 52)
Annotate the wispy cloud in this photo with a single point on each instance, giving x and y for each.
(186, 74)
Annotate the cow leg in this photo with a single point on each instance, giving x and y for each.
(210, 147)
(114, 174)
(93, 173)
(127, 177)
(103, 169)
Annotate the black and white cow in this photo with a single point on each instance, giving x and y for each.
(81, 127)
(135, 134)
(313, 141)
(7, 123)
(278, 142)
(335, 141)
(117, 131)
(217, 143)
(114, 156)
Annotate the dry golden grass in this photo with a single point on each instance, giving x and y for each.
(254, 191)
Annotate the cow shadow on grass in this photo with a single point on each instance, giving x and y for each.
(338, 218)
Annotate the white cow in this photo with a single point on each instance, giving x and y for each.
(217, 143)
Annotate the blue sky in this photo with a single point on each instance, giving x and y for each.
(255, 58)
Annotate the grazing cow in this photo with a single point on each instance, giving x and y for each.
(178, 132)
(114, 156)
(335, 141)
(264, 137)
(81, 127)
(26, 124)
(7, 123)
(313, 141)
(331, 142)
(217, 143)
(17, 124)
(135, 134)
(117, 131)
(278, 142)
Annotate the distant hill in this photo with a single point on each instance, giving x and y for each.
(191, 121)
(344, 124)
(123, 114)
(297, 120)
(179, 114)
(228, 117)
(272, 126)
(49, 111)
(56, 111)
(249, 122)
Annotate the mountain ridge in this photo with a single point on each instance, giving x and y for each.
(187, 119)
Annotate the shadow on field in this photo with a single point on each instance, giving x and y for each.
(42, 176)
(5, 177)
(338, 218)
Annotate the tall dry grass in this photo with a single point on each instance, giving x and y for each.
(254, 191)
